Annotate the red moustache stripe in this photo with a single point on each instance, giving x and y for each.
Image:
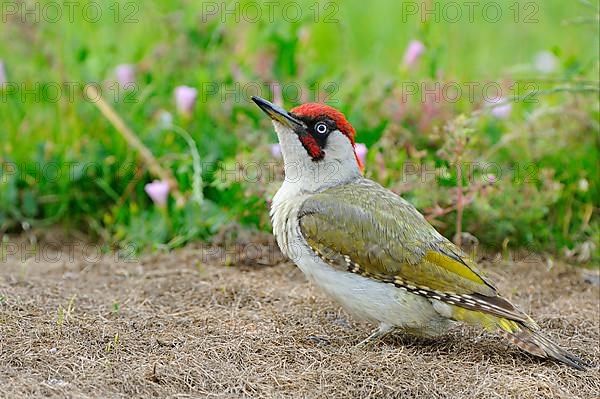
(313, 148)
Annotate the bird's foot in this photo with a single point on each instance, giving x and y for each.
(380, 332)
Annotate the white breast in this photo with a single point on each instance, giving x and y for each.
(363, 297)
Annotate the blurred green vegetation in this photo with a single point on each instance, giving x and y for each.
(531, 178)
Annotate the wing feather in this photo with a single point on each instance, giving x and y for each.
(379, 235)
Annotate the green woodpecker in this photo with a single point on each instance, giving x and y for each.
(371, 250)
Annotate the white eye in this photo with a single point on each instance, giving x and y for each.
(321, 128)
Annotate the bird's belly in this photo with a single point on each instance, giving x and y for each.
(372, 300)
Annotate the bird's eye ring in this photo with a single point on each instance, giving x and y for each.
(321, 128)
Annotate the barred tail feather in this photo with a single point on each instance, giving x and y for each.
(523, 334)
(537, 344)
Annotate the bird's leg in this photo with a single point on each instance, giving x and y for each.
(382, 330)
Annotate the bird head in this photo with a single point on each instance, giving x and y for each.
(315, 138)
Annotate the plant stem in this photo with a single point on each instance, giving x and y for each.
(459, 202)
(145, 154)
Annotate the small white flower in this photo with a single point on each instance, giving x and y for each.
(545, 62)
(3, 79)
(165, 119)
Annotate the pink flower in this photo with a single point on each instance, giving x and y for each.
(158, 191)
(500, 107)
(276, 151)
(185, 99)
(277, 95)
(361, 152)
(2, 73)
(125, 75)
(413, 53)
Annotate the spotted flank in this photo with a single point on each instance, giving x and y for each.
(474, 301)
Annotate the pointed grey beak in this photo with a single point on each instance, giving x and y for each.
(279, 114)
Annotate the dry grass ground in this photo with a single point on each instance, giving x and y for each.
(186, 325)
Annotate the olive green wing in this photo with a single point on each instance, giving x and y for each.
(363, 228)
